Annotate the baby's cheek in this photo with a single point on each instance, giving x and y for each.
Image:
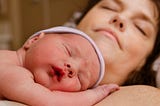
(71, 84)
(42, 78)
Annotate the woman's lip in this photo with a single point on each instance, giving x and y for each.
(110, 34)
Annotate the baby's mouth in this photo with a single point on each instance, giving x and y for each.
(57, 72)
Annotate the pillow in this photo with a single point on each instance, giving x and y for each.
(156, 67)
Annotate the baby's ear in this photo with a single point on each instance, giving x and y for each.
(32, 40)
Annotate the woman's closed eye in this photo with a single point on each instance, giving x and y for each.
(110, 8)
(141, 30)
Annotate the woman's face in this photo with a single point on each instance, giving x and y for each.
(125, 31)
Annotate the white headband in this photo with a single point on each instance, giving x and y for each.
(61, 29)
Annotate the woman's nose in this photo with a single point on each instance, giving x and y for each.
(70, 70)
(118, 23)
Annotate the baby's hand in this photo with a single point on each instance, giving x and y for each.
(88, 97)
(99, 93)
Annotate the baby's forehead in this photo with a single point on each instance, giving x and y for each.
(74, 36)
(69, 37)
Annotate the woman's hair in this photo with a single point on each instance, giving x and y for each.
(146, 75)
(90, 3)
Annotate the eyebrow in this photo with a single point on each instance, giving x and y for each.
(146, 18)
(118, 2)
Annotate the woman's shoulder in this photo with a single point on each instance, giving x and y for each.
(136, 95)
(139, 88)
(8, 57)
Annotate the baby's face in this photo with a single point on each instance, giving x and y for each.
(64, 62)
(125, 32)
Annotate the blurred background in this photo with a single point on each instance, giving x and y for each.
(19, 19)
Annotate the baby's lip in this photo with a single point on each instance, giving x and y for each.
(58, 72)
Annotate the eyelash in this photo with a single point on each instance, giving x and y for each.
(108, 8)
(141, 30)
(68, 51)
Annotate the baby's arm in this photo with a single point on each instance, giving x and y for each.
(16, 83)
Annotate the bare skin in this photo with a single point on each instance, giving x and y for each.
(18, 83)
(125, 13)
(137, 95)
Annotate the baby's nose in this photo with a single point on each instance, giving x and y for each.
(71, 71)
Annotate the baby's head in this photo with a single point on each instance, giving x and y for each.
(63, 58)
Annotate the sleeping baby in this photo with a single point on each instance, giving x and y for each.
(56, 66)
